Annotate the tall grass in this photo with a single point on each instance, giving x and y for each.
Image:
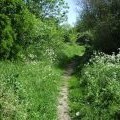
(97, 91)
(28, 91)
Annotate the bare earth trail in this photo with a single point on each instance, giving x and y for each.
(63, 108)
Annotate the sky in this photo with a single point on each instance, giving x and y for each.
(72, 15)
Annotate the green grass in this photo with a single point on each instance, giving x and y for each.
(28, 91)
(71, 50)
(74, 97)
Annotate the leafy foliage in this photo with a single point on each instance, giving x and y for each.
(23, 33)
(102, 18)
(85, 38)
(7, 36)
(48, 9)
(99, 89)
(16, 28)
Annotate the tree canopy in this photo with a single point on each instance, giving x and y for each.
(48, 8)
(27, 24)
(102, 18)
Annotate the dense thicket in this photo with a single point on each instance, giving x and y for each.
(102, 18)
(26, 29)
(96, 93)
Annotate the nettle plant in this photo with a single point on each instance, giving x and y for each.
(100, 88)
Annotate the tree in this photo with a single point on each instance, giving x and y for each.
(16, 27)
(48, 8)
(102, 18)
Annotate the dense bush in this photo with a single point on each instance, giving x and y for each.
(47, 42)
(7, 36)
(22, 33)
(100, 89)
(85, 38)
(16, 28)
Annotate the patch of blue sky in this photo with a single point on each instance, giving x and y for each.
(72, 12)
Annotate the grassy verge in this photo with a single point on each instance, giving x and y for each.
(74, 98)
(28, 91)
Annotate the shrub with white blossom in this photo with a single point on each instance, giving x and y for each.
(100, 88)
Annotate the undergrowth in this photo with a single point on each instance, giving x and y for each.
(95, 94)
(28, 91)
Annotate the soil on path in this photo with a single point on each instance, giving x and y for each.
(63, 108)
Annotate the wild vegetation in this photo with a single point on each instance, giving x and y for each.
(95, 88)
(28, 91)
(30, 47)
(35, 48)
(96, 92)
(101, 18)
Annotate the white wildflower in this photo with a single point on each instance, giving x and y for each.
(77, 113)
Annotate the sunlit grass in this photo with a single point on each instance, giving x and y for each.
(72, 50)
(28, 91)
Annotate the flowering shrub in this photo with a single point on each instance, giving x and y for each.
(100, 88)
(95, 94)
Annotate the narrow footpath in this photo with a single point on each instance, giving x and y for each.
(63, 108)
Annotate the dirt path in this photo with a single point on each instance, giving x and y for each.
(63, 109)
